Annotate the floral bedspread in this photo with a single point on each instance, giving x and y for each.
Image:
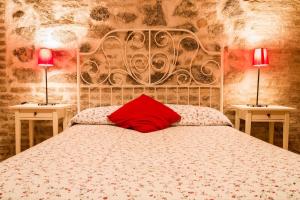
(182, 162)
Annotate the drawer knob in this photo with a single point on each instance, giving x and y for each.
(269, 115)
(34, 113)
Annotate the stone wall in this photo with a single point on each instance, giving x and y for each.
(4, 97)
(239, 24)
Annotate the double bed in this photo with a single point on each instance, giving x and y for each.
(180, 162)
(201, 157)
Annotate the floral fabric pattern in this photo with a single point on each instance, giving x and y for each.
(88, 162)
(190, 116)
(199, 116)
(94, 116)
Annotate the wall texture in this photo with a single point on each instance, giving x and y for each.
(4, 135)
(239, 24)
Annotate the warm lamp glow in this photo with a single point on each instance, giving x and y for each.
(260, 57)
(45, 58)
(54, 37)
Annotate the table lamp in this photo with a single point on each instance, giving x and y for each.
(260, 59)
(45, 60)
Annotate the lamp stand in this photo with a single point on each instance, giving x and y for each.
(257, 90)
(257, 93)
(46, 80)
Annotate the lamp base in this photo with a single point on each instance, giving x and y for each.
(257, 105)
(47, 104)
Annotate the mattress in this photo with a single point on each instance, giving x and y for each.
(182, 162)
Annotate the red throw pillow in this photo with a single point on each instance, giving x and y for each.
(144, 114)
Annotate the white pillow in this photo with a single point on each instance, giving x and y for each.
(96, 115)
(199, 116)
(190, 116)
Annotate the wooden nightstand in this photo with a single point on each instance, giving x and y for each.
(33, 112)
(269, 114)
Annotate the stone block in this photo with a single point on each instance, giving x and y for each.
(18, 14)
(154, 15)
(24, 54)
(187, 9)
(127, 17)
(202, 23)
(232, 8)
(24, 75)
(100, 13)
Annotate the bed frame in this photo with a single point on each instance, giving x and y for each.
(171, 65)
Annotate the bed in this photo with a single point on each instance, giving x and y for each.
(181, 162)
(200, 157)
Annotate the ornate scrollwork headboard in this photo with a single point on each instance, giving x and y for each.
(171, 65)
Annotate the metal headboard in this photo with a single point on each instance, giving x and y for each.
(170, 65)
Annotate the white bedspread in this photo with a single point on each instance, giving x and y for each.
(185, 162)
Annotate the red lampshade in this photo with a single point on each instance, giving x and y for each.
(260, 57)
(45, 57)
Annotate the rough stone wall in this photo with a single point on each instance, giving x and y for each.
(4, 99)
(241, 25)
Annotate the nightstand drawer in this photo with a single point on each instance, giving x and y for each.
(264, 116)
(32, 114)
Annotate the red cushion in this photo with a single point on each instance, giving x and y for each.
(144, 114)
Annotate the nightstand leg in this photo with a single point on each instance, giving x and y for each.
(271, 132)
(286, 131)
(31, 132)
(55, 123)
(65, 120)
(248, 123)
(237, 120)
(17, 132)
(65, 123)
